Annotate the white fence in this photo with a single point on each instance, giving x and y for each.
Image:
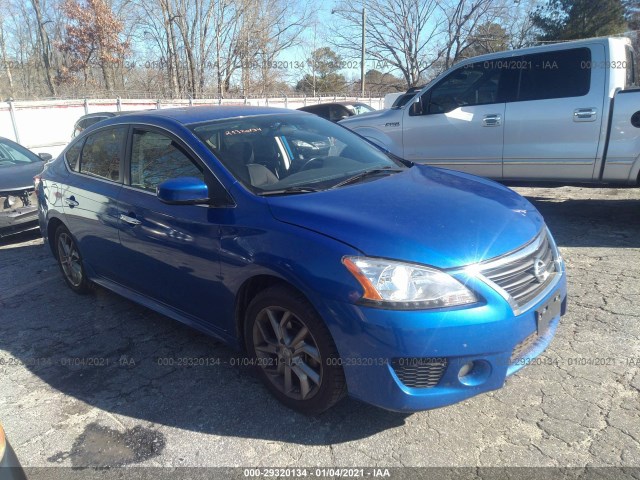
(46, 126)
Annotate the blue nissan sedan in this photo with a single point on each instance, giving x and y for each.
(338, 268)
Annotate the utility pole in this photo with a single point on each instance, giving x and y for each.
(363, 49)
(364, 19)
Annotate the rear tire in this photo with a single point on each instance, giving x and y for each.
(293, 352)
(70, 261)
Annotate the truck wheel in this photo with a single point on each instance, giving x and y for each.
(293, 352)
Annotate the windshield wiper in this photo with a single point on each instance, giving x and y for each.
(289, 191)
(367, 173)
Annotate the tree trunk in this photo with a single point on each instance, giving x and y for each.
(3, 51)
(44, 47)
(106, 74)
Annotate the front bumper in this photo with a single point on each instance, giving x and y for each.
(18, 212)
(372, 341)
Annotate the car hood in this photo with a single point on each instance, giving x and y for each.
(19, 176)
(381, 115)
(425, 215)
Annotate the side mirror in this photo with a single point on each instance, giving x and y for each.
(183, 191)
(45, 156)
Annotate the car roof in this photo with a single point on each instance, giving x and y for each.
(8, 140)
(100, 114)
(328, 104)
(108, 114)
(189, 115)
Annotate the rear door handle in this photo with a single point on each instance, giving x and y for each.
(71, 201)
(492, 120)
(585, 114)
(130, 220)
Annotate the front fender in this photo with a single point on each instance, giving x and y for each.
(306, 260)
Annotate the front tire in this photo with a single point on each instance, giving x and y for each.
(293, 351)
(70, 261)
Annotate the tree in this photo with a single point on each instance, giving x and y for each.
(575, 19)
(267, 28)
(464, 17)
(487, 38)
(3, 57)
(45, 46)
(92, 37)
(398, 34)
(324, 77)
(379, 83)
(418, 38)
(632, 16)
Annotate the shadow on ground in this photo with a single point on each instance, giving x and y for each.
(592, 222)
(114, 355)
(19, 238)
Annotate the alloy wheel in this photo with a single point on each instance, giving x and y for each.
(69, 258)
(288, 353)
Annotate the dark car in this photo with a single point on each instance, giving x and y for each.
(338, 270)
(403, 99)
(18, 203)
(338, 110)
(86, 121)
(10, 468)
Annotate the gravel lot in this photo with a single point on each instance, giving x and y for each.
(580, 408)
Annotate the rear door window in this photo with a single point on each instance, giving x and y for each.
(102, 154)
(561, 74)
(631, 79)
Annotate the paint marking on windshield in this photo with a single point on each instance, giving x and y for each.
(242, 131)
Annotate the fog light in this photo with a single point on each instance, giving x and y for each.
(474, 373)
(466, 368)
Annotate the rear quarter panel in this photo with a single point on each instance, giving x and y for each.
(623, 153)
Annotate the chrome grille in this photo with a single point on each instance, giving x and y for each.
(419, 372)
(525, 273)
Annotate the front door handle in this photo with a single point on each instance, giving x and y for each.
(585, 115)
(71, 201)
(492, 120)
(130, 220)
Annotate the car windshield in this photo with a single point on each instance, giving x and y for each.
(403, 100)
(360, 108)
(12, 154)
(289, 153)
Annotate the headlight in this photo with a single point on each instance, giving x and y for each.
(404, 285)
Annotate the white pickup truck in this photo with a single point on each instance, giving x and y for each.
(563, 112)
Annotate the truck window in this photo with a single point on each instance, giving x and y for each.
(472, 84)
(632, 79)
(565, 73)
